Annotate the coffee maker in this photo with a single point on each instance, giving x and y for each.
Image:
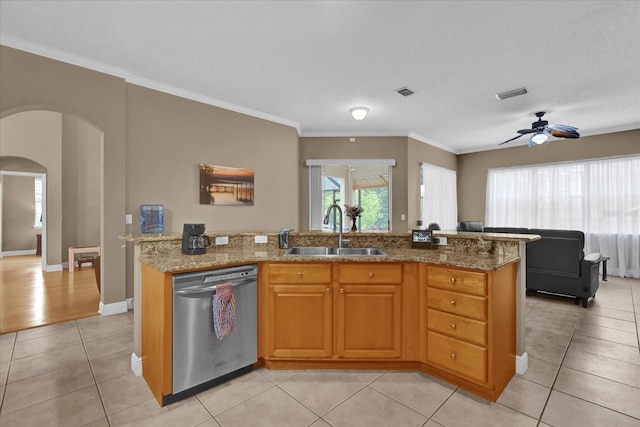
(194, 241)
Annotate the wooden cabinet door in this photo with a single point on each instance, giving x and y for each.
(300, 319)
(369, 321)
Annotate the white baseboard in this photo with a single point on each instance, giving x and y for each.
(522, 363)
(130, 303)
(19, 253)
(55, 267)
(136, 365)
(113, 308)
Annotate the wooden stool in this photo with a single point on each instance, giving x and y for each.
(86, 258)
(81, 250)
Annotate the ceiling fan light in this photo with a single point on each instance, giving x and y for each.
(539, 138)
(359, 113)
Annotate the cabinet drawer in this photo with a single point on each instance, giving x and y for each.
(371, 273)
(454, 326)
(457, 303)
(299, 273)
(472, 282)
(459, 357)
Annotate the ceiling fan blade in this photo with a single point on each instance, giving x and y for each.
(509, 140)
(571, 134)
(526, 131)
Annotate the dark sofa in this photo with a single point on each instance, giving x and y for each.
(557, 263)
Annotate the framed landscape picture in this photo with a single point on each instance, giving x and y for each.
(224, 185)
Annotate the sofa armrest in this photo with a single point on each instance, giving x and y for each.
(593, 258)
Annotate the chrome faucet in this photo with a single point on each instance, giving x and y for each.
(326, 221)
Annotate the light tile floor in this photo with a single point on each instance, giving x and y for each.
(584, 370)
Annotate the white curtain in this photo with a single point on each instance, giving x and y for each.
(440, 198)
(599, 197)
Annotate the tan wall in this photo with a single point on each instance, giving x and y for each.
(363, 148)
(472, 168)
(18, 213)
(168, 137)
(32, 82)
(418, 153)
(80, 184)
(36, 135)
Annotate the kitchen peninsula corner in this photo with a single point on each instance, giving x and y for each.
(392, 312)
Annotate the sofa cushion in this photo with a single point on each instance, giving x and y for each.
(568, 234)
(567, 253)
(510, 230)
(475, 226)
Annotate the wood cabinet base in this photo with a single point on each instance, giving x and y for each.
(396, 365)
(491, 394)
(470, 386)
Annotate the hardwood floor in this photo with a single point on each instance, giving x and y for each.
(30, 297)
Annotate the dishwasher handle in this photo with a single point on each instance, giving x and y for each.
(199, 289)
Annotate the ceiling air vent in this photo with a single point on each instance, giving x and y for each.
(405, 91)
(511, 93)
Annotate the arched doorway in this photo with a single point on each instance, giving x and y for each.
(66, 152)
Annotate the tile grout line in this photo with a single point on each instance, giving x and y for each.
(553, 385)
(93, 375)
(6, 381)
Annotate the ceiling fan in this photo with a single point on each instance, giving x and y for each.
(541, 129)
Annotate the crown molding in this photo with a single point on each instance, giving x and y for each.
(55, 54)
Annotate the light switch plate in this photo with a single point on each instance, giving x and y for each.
(261, 239)
(222, 240)
(128, 219)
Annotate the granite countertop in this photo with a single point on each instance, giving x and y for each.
(219, 257)
(483, 251)
(504, 237)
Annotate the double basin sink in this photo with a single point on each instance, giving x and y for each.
(333, 251)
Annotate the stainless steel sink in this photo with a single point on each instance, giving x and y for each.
(333, 251)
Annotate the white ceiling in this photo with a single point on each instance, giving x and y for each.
(306, 63)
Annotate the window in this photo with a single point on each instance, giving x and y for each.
(439, 197)
(599, 197)
(365, 183)
(37, 223)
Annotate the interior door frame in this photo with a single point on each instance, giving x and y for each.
(42, 176)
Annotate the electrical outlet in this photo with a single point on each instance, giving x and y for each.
(403, 217)
(128, 219)
(222, 240)
(261, 239)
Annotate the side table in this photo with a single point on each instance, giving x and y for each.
(604, 267)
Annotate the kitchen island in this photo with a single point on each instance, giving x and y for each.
(449, 311)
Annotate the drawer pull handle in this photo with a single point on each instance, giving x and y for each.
(453, 356)
(299, 274)
(328, 290)
(342, 290)
(453, 280)
(452, 302)
(371, 275)
(452, 326)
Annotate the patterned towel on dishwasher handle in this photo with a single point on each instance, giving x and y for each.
(224, 310)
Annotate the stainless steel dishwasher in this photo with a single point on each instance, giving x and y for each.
(200, 359)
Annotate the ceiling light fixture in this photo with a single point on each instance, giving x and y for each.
(511, 93)
(359, 113)
(538, 138)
